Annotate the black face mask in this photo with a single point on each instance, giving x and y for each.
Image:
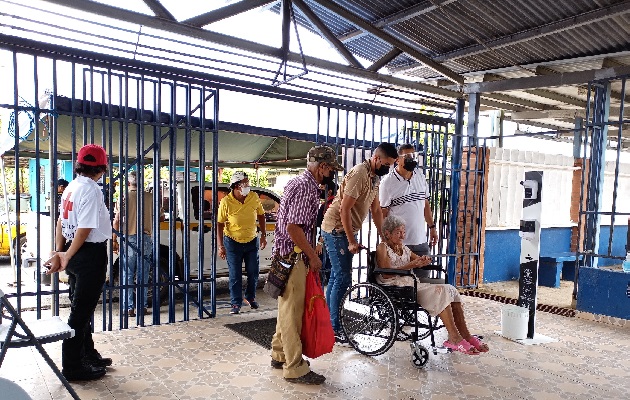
(328, 181)
(382, 170)
(410, 165)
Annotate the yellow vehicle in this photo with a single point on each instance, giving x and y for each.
(18, 238)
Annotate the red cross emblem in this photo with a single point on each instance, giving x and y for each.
(67, 206)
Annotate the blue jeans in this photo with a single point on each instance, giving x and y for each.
(130, 259)
(340, 274)
(326, 267)
(236, 253)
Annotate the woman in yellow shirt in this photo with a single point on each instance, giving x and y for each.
(238, 240)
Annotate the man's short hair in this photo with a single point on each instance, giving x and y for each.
(406, 146)
(387, 149)
(62, 182)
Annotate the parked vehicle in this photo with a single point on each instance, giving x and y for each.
(18, 236)
(270, 202)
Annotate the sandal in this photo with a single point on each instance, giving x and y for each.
(462, 347)
(479, 345)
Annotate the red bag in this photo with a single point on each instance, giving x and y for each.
(318, 337)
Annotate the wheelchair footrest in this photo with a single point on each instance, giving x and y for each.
(440, 349)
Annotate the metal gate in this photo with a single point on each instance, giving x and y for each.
(454, 165)
(163, 123)
(601, 144)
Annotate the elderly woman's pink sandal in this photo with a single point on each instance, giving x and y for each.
(462, 347)
(478, 344)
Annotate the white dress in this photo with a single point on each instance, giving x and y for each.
(431, 296)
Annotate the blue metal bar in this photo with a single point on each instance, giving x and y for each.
(597, 167)
(157, 206)
(616, 179)
(215, 199)
(186, 198)
(456, 166)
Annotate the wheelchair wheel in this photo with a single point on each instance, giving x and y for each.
(419, 355)
(369, 319)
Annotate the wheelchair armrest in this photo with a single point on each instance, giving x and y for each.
(403, 272)
(434, 268)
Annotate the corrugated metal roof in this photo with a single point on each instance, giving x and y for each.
(444, 31)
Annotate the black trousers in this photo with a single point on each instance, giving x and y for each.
(86, 277)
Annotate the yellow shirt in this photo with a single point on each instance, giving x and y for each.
(240, 218)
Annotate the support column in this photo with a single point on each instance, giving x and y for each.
(456, 167)
(473, 118)
(601, 111)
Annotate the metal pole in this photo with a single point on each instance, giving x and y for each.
(456, 166)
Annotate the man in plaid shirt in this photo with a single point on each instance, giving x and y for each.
(295, 230)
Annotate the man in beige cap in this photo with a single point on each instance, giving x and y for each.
(296, 228)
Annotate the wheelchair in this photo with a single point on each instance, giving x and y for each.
(375, 316)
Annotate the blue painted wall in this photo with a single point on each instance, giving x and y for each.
(618, 244)
(503, 249)
(603, 291)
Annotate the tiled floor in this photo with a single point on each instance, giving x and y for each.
(202, 359)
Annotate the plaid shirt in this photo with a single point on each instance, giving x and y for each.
(299, 205)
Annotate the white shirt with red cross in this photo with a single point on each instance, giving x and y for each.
(82, 206)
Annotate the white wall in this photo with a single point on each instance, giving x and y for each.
(505, 194)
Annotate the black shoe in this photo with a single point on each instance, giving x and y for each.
(253, 304)
(235, 309)
(96, 360)
(311, 378)
(279, 365)
(340, 338)
(83, 373)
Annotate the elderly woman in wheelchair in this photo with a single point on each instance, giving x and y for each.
(440, 300)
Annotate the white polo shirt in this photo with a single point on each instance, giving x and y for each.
(405, 199)
(82, 206)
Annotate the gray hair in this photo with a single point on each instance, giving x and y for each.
(132, 178)
(392, 222)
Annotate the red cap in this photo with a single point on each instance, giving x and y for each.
(94, 153)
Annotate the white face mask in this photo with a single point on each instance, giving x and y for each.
(245, 190)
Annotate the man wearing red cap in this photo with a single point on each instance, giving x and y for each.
(83, 229)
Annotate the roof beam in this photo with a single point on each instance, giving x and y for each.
(534, 82)
(159, 10)
(399, 17)
(387, 38)
(225, 40)
(324, 32)
(583, 88)
(518, 101)
(381, 62)
(534, 33)
(224, 12)
(553, 127)
(561, 114)
(544, 93)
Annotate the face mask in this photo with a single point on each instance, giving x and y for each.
(410, 165)
(328, 180)
(245, 190)
(382, 170)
